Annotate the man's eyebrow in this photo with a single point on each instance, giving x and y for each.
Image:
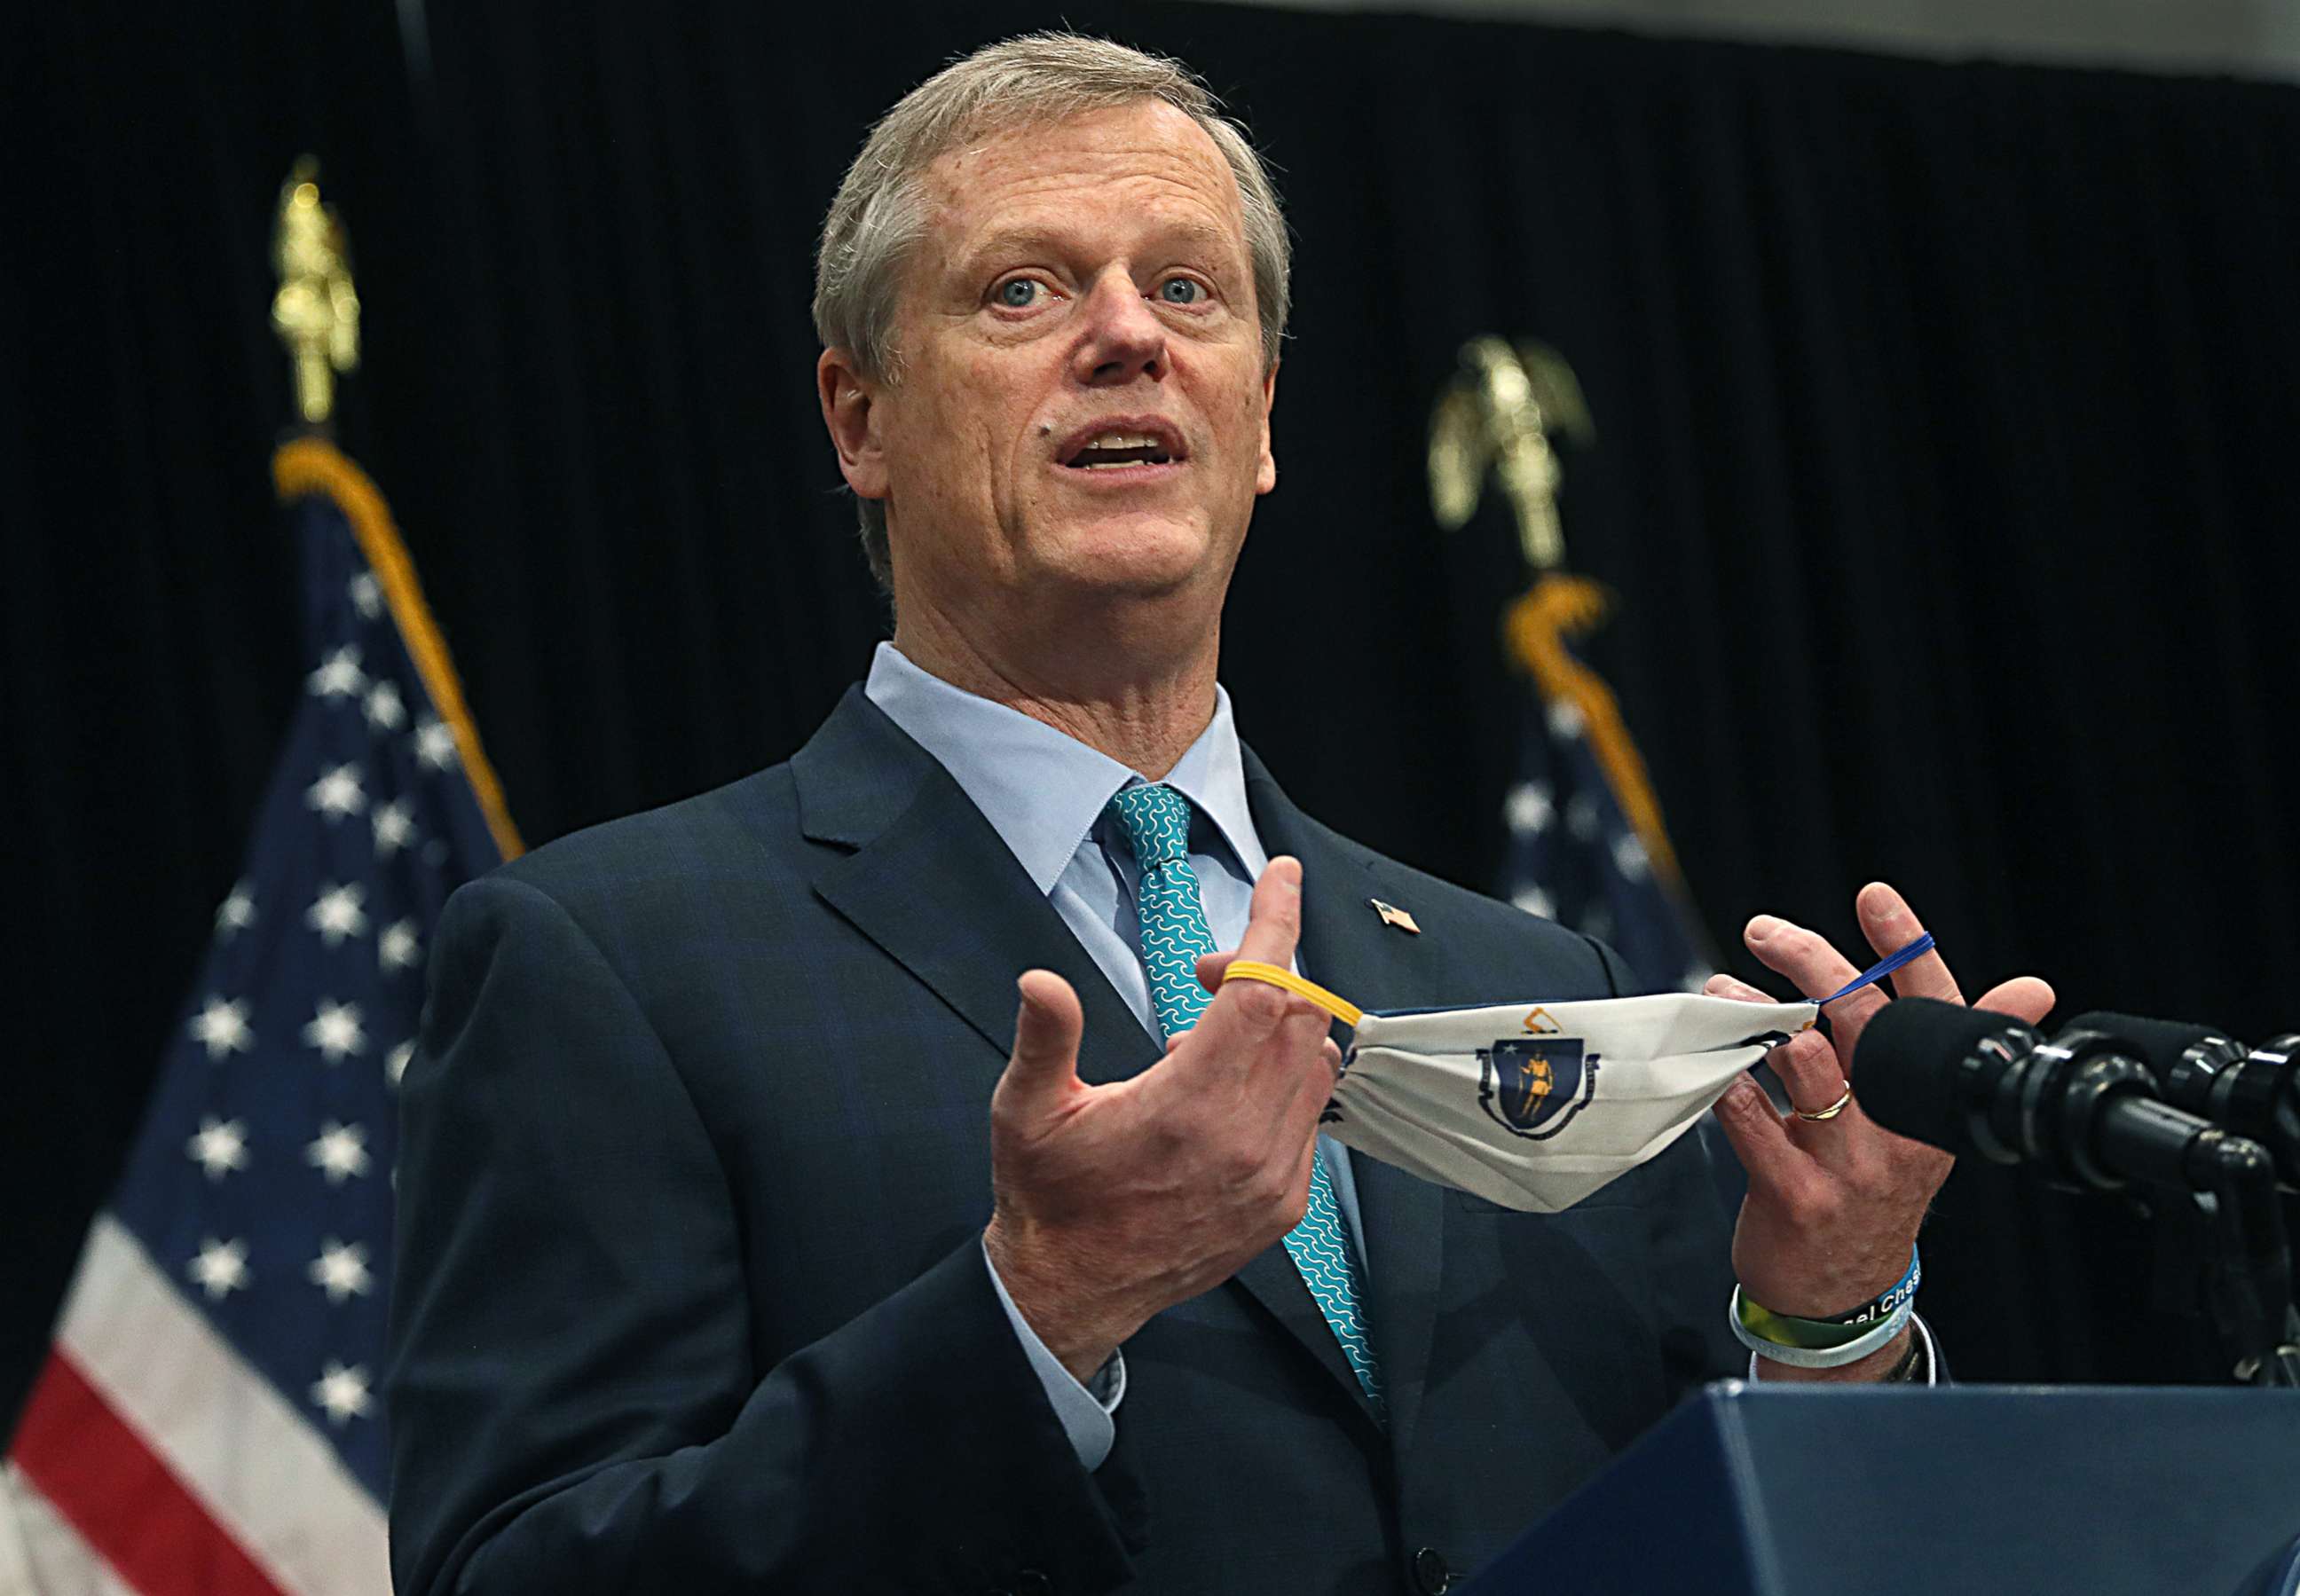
(1015, 241)
(1055, 240)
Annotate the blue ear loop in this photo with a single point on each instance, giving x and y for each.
(1883, 967)
(1875, 973)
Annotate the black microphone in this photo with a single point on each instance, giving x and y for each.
(2087, 1111)
(2079, 1106)
(2254, 1093)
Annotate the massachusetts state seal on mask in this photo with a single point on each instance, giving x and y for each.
(1534, 1085)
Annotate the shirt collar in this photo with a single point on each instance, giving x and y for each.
(1211, 774)
(1043, 790)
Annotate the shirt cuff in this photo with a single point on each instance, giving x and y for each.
(1927, 1372)
(1088, 1411)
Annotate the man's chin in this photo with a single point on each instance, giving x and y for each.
(1144, 557)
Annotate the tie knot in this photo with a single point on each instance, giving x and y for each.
(1156, 820)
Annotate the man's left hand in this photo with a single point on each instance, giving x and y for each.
(1834, 1204)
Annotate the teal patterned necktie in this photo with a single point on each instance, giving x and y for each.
(1156, 820)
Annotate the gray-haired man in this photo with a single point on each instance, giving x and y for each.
(752, 1238)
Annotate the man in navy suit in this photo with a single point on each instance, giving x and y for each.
(760, 1230)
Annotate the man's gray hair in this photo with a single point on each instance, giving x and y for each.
(880, 213)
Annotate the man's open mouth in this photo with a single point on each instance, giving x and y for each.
(1124, 444)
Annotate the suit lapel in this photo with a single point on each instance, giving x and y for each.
(932, 884)
(1346, 947)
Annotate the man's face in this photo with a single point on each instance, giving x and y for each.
(1082, 401)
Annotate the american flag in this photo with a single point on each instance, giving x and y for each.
(207, 1423)
(1586, 847)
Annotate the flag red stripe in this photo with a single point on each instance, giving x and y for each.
(121, 1497)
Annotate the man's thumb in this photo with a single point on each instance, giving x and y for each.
(1047, 1032)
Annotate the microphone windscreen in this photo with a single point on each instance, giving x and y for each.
(2158, 1044)
(1905, 1067)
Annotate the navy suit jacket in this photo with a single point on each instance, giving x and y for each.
(689, 1295)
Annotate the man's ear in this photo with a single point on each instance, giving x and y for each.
(852, 413)
(1266, 476)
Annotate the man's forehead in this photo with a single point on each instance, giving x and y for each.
(1019, 175)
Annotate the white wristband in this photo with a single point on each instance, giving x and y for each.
(1873, 1339)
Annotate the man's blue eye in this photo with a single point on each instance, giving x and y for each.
(1018, 294)
(1180, 290)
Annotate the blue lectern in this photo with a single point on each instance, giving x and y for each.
(1967, 1490)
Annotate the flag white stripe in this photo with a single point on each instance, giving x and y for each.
(40, 1553)
(258, 1466)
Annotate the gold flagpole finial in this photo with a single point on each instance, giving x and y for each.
(315, 312)
(1497, 416)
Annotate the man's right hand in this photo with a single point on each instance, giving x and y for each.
(1113, 1202)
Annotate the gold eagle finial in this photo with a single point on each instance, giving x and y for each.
(1497, 416)
(316, 313)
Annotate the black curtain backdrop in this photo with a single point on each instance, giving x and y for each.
(1944, 420)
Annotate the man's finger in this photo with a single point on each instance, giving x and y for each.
(1749, 1121)
(1315, 1088)
(1047, 1029)
(1729, 986)
(1812, 966)
(1273, 920)
(2025, 998)
(1214, 967)
(1890, 925)
(1815, 967)
(1809, 1071)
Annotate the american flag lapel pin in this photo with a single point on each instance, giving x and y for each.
(1392, 914)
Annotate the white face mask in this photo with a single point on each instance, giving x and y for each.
(1536, 1106)
(1533, 1106)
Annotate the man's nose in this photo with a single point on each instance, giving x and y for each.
(1124, 338)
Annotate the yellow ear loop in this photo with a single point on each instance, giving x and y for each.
(1251, 969)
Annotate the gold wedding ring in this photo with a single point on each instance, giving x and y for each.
(1830, 1112)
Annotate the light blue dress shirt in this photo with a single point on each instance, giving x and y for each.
(1043, 792)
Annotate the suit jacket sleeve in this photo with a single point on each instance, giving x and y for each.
(577, 1397)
